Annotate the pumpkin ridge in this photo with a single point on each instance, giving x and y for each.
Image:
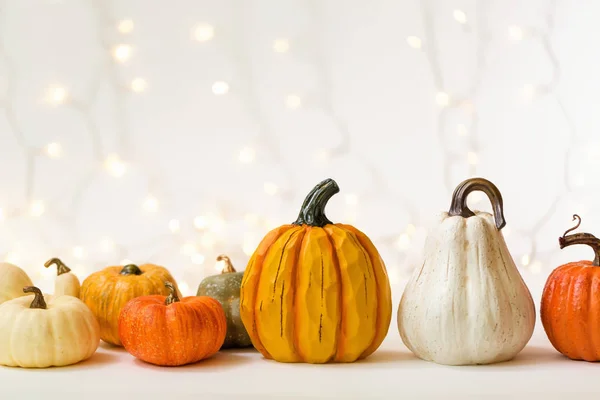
(281, 309)
(506, 296)
(334, 257)
(589, 334)
(382, 323)
(253, 332)
(568, 310)
(281, 258)
(593, 312)
(294, 288)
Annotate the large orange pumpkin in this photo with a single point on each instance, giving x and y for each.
(168, 331)
(314, 291)
(105, 292)
(570, 309)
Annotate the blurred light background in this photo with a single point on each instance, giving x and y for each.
(171, 132)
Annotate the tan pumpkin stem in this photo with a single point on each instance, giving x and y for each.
(462, 191)
(172, 297)
(61, 268)
(228, 265)
(581, 238)
(38, 300)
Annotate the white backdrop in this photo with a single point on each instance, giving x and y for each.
(171, 132)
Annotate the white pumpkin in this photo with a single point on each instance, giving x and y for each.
(45, 331)
(66, 282)
(12, 281)
(468, 303)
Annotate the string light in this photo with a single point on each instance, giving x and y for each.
(37, 208)
(78, 252)
(174, 225)
(351, 199)
(107, 244)
(201, 222)
(322, 155)
(461, 130)
(281, 45)
(246, 155)
(115, 166)
(442, 99)
(515, 32)
(12, 257)
(414, 42)
(529, 92)
(220, 88)
(217, 223)
(203, 32)
(188, 249)
(207, 241)
(411, 229)
(53, 150)
(251, 218)
(138, 85)
(403, 241)
(536, 267)
(466, 106)
(56, 95)
(271, 188)
(472, 158)
(197, 259)
(46, 273)
(293, 101)
(184, 288)
(150, 204)
(460, 16)
(525, 260)
(122, 52)
(393, 275)
(125, 26)
(249, 244)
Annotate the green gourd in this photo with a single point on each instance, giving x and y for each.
(225, 288)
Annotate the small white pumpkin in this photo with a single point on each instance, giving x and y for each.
(12, 281)
(468, 303)
(66, 282)
(42, 332)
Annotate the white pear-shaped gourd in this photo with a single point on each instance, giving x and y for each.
(46, 331)
(12, 281)
(66, 282)
(468, 303)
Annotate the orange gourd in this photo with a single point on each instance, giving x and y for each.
(315, 291)
(167, 331)
(570, 308)
(105, 292)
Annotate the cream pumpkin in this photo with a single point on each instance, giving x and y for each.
(43, 331)
(467, 304)
(66, 281)
(12, 281)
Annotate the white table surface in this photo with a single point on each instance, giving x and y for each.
(391, 372)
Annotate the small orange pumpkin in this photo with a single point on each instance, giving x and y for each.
(168, 331)
(570, 308)
(105, 292)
